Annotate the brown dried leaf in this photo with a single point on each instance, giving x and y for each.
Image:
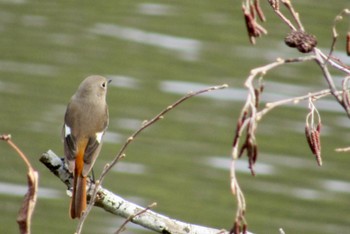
(25, 213)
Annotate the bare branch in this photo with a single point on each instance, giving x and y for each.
(337, 19)
(347, 149)
(295, 14)
(26, 212)
(116, 205)
(276, 7)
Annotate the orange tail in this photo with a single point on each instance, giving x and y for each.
(78, 203)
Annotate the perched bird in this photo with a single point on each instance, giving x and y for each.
(85, 123)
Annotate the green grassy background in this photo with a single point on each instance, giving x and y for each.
(48, 47)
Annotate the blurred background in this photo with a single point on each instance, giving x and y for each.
(155, 52)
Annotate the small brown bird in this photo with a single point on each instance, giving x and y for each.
(85, 123)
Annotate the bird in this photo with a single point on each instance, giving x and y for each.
(85, 122)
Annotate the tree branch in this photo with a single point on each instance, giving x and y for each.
(25, 214)
(116, 205)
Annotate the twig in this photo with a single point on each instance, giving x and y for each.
(275, 6)
(333, 62)
(28, 205)
(337, 19)
(295, 14)
(131, 217)
(250, 116)
(347, 149)
(295, 100)
(116, 205)
(7, 138)
(130, 139)
(329, 79)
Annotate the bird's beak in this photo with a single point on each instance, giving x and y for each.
(109, 81)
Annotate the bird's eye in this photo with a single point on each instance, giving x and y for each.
(103, 85)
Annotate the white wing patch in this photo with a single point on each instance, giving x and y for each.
(99, 136)
(67, 130)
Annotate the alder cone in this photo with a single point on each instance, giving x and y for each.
(303, 41)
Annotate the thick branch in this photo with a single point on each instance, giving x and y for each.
(121, 207)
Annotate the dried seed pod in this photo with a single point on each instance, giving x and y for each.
(262, 86)
(238, 127)
(303, 41)
(249, 21)
(318, 127)
(243, 148)
(257, 97)
(259, 11)
(309, 139)
(307, 44)
(244, 229)
(315, 136)
(252, 10)
(292, 39)
(235, 229)
(314, 142)
(253, 28)
(255, 153)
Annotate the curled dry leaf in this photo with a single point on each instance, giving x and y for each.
(314, 141)
(25, 213)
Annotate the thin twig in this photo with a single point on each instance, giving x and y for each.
(131, 217)
(118, 206)
(347, 149)
(250, 115)
(280, 14)
(337, 19)
(7, 138)
(25, 213)
(295, 14)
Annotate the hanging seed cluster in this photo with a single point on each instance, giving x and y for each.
(301, 40)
